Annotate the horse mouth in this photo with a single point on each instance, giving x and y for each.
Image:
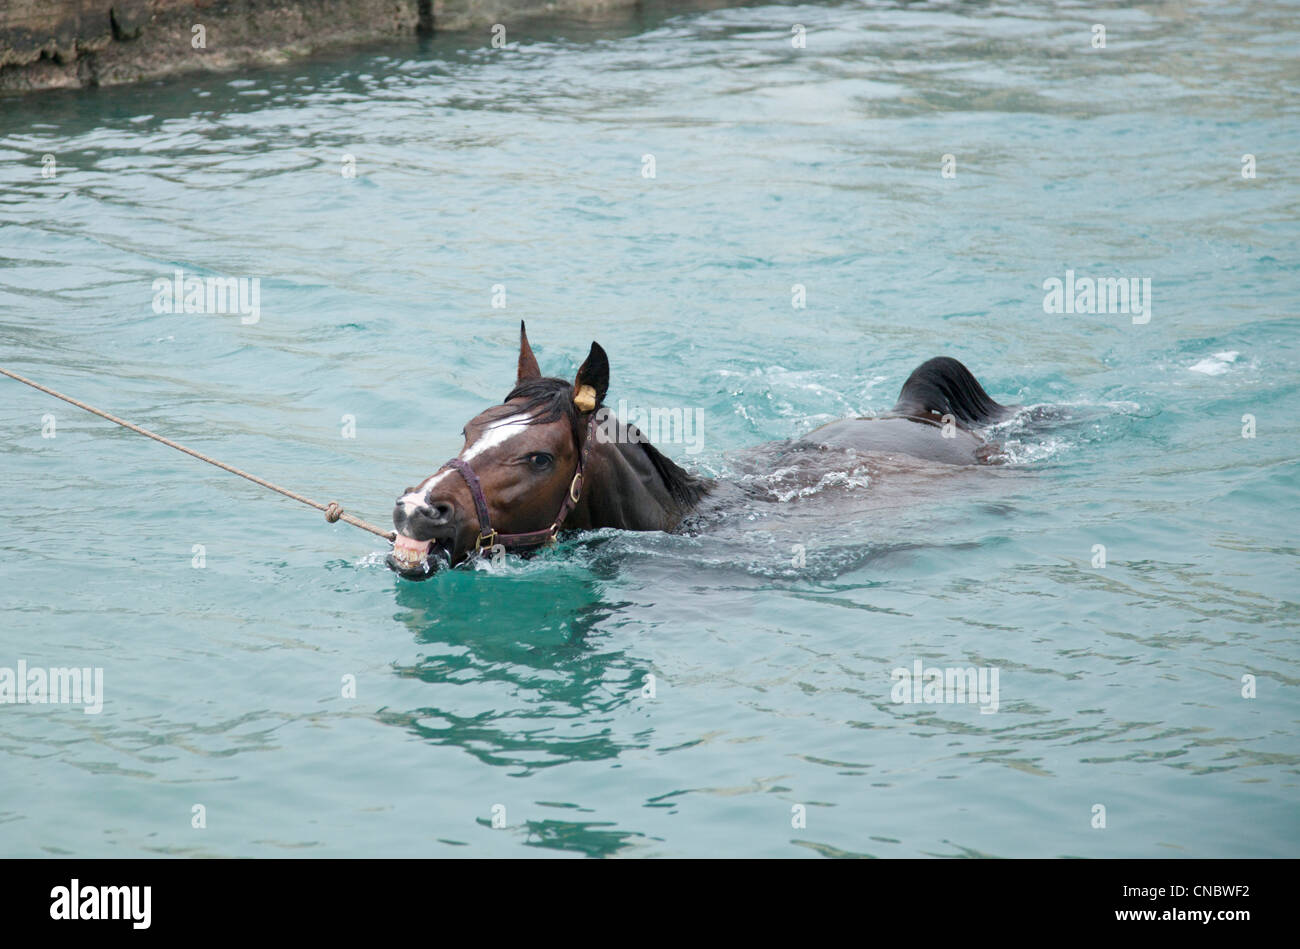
(411, 559)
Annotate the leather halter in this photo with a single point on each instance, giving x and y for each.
(488, 538)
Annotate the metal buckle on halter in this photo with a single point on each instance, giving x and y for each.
(575, 487)
(490, 537)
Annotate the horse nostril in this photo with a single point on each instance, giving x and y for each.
(442, 511)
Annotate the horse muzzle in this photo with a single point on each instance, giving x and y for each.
(410, 558)
(426, 539)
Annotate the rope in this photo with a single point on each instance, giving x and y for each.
(333, 510)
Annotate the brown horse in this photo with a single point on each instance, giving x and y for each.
(551, 457)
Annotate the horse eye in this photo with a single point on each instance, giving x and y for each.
(540, 459)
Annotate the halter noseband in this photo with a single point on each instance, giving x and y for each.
(488, 538)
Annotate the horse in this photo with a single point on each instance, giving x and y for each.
(552, 457)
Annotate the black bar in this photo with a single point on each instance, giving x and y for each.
(947, 898)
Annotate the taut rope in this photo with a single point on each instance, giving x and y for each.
(333, 511)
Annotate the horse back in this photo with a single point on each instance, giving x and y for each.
(948, 445)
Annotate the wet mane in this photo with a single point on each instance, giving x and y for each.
(549, 400)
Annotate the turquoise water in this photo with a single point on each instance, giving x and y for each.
(519, 691)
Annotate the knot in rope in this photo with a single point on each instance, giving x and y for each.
(333, 511)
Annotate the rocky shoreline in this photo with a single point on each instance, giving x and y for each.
(61, 44)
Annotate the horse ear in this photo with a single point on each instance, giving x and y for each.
(528, 368)
(592, 381)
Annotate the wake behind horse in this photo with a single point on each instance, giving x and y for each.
(552, 457)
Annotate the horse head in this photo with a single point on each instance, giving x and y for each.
(541, 461)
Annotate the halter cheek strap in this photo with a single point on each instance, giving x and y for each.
(487, 537)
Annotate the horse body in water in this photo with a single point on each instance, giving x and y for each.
(552, 458)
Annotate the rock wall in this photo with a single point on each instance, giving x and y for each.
(49, 44)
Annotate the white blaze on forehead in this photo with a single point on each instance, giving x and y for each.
(496, 434)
